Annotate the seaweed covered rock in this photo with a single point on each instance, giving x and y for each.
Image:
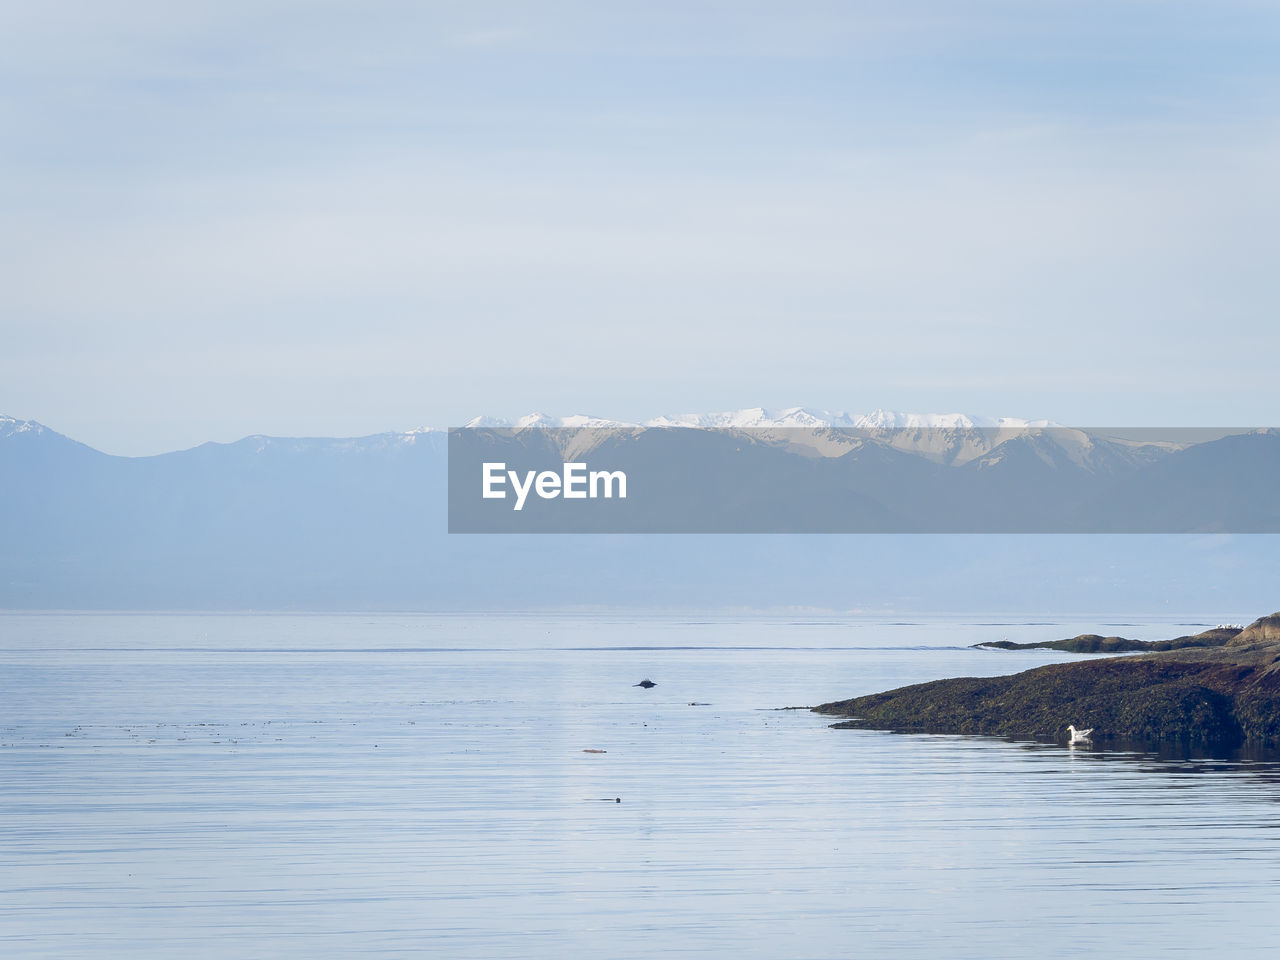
(1093, 643)
(1085, 643)
(1145, 698)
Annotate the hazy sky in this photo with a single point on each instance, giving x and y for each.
(223, 218)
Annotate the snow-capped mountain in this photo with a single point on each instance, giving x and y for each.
(756, 418)
(788, 417)
(954, 438)
(11, 425)
(541, 420)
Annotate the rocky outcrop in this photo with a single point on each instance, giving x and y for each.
(1093, 643)
(1224, 693)
(1264, 630)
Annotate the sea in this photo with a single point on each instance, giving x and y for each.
(498, 786)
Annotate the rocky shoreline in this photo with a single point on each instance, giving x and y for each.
(1207, 692)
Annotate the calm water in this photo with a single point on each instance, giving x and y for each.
(281, 786)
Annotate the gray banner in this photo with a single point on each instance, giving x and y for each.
(843, 480)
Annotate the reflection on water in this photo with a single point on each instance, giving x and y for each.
(406, 786)
(1166, 755)
(1189, 757)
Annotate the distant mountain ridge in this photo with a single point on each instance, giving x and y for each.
(954, 438)
(945, 437)
(759, 417)
(360, 523)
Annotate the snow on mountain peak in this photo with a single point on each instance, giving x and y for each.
(757, 417)
(544, 422)
(12, 425)
(893, 420)
(945, 437)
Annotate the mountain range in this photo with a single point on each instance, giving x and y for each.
(322, 523)
(950, 437)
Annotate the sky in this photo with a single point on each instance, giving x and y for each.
(338, 218)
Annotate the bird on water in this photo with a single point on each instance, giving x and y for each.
(1079, 736)
(646, 683)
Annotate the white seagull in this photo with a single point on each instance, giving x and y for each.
(1079, 736)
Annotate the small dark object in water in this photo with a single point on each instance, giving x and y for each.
(645, 683)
